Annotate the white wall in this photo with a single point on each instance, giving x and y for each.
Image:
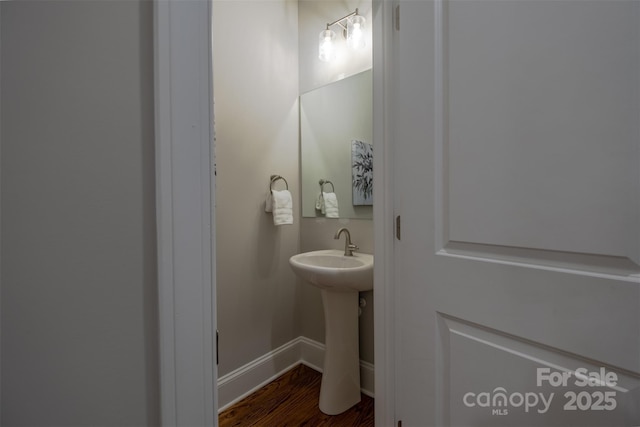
(256, 114)
(79, 321)
(317, 233)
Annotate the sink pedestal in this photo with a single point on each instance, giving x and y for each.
(340, 387)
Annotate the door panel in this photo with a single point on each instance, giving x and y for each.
(516, 166)
(541, 125)
(519, 400)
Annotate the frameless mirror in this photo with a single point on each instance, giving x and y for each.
(336, 147)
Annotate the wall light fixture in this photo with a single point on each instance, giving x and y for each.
(353, 31)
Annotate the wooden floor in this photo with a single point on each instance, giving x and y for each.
(292, 400)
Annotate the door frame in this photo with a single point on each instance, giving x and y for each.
(185, 212)
(383, 212)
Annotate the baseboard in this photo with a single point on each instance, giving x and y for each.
(243, 381)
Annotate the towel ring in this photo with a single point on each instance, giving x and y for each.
(323, 182)
(275, 178)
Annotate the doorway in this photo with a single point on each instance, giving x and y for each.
(185, 184)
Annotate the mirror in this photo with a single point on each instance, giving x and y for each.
(336, 128)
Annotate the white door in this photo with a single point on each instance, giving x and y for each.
(517, 179)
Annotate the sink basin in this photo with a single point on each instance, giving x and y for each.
(330, 269)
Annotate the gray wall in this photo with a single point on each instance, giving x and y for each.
(78, 278)
(261, 304)
(256, 113)
(313, 17)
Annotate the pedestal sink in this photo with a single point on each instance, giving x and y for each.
(340, 278)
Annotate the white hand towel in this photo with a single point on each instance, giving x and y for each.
(320, 203)
(268, 203)
(282, 207)
(331, 205)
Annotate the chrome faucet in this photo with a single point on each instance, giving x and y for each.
(348, 246)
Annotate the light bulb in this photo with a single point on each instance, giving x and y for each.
(326, 50)
(355, 32)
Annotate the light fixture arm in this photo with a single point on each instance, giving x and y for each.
(344, 18)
